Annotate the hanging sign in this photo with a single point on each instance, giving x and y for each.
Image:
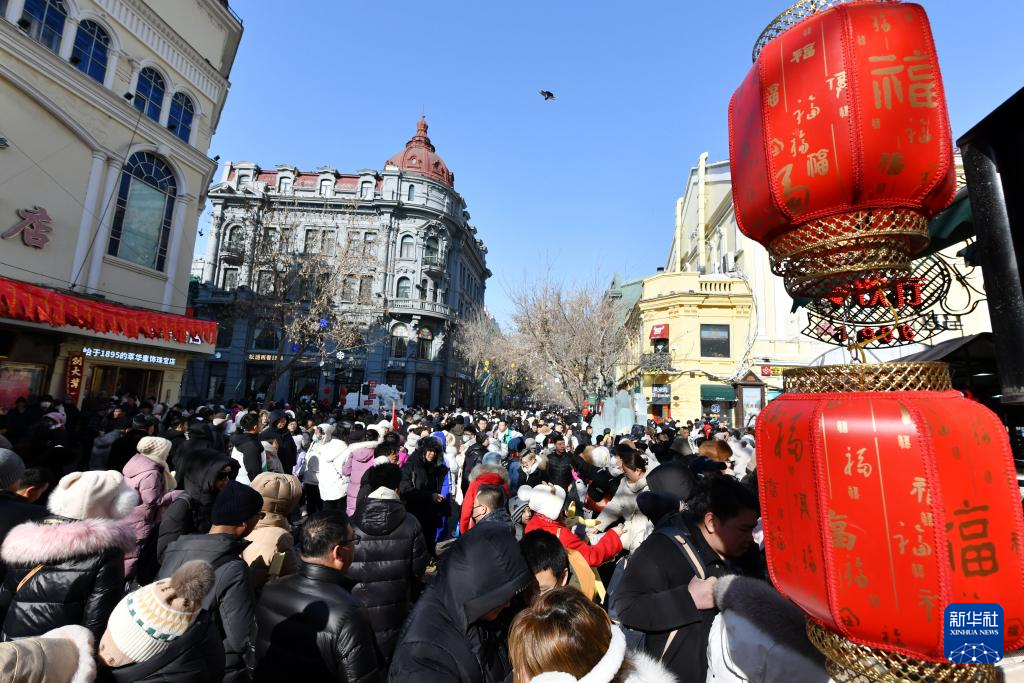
(73, 380)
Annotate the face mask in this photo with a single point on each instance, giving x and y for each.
(615, 468)
(44, 404)
(316, 437)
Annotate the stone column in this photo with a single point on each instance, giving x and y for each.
(181, 204)
(99, 244)
(89, 216)
(67, 39)
(435, 391)
(14, 10)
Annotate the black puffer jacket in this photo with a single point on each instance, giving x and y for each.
(199, 438)
(474, 456)
(80, 580)
(420, 481)
(251, 450)
(389, 563)
(122, 450)
(444, 639)
(287, 452)
(232, 599)
(559, 470)
(310, 626)
(190, 513)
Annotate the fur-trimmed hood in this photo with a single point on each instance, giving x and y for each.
(644, 668)
(56, 539)
(492, 469)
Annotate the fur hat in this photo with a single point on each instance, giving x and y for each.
(281, 492)
(147, 621)
(544, 499)
(12, 468)
(101, 494)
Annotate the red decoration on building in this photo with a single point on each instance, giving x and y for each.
(420, 156)
(21, 301)
(659, 331)
(74, 376)
(881, 507)
(840, 144)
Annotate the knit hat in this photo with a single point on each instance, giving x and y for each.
(544, 499)
(95, 494)
(236, 504)
(147, 621)
(12, 468)
(155, 448)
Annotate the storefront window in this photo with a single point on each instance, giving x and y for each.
(714, 341)
(20, 380)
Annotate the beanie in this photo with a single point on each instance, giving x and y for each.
(95, 494)
(155, 448)
(147, 621)
(12, 468)
(236, 504)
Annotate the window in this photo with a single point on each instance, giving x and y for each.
(350, 288)
(45, 19)
(243, 179)
(284, 185)
(430, 249)
(714, 341)
(368, 243)
(366, 289)
(423, 289)
(230, 279)
(142, 217)
(399, 341)
(325, 186)
(225, 333)
(412, 193)
(265, 336)
(366, 189)
(265, 282)
(287, 240)
(269, 240)
(312, 241)
(404, 288)
(235, 238)
(424, 344)
(149, 98)
(353, 244)
(405, 251)
(179, 121)
(90, 51)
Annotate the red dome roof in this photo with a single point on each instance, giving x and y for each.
(419, 156)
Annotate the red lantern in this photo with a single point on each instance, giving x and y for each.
(840, 144)
(881, 507)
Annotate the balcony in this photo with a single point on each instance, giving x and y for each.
(419, 307)
(434, 264)
(233, 253)
(656, 363)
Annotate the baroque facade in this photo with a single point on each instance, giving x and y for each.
(429, 268)
(107, 110)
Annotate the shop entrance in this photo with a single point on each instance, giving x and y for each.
(422, 391)
(110, 380)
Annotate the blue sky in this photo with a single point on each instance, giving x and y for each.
(587, 183)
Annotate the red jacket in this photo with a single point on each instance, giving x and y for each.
(483, 479)
(608, 547)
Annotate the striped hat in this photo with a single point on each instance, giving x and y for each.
(147, 621)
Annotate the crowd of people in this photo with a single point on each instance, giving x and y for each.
(142, 542)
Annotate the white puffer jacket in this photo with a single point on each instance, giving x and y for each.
(623, 506)
(324, 457)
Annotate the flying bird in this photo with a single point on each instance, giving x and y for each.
(547, 94)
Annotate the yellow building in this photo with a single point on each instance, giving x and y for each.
(107, 109)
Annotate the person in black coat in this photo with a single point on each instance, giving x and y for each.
(13, 508)
(69, 567)
(287, 452)
(199, 437)
(422, 482)
(474, 456)
(559, 470)
(663, 596)
(236, 512)
(308, 624)
(125, 448)
(99, 459)
(454, 633)
(390, 558)
(191, 513)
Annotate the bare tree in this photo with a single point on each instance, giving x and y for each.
(571, 334)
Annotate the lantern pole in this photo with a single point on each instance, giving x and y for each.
(993, 139)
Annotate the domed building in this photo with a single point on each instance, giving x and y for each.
(429, 268)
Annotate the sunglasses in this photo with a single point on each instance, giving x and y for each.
(221, 476)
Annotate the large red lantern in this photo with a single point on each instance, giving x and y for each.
(880, 507)
(840, 143)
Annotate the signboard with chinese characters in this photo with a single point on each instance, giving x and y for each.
(263, 357)
(661, 394)
(34, 227)
(73, 380)
(130, 356)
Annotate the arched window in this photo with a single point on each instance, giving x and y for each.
(325, 186)
(179, 120)
(430, 249)
(412, 193)
(404, 288)
(284, 185)
(366, 190)
(399, 341)
(235, 237)
(142, 218)
(423, 289)
(149, 93)
(43, 20)
(424, 344)
(405, 250)
(90, 51)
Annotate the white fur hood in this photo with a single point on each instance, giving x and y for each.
(644, 668)
(55, 540)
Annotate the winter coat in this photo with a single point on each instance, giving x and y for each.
(388, 565)
(623, 506)
(125, 448)
(420, 481)
(758, 635)
(286, 450)
(605, 549)
(101, 445)
(247, 451)
(324, 457)
(232, 598)
(474, 456)
(500, 518)
(311, 627)
(559, 470)
(355, 467)
(342, 461)
(653, 596)
(197, 656)
(481, 475)
(14, 510)
(643, 668)
(273, 533)
(64, 655)
(147, 478)
(190, 513)
(444, 639)
(200, 438)
(80, 577)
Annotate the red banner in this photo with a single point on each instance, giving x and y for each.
(74, 376)
(21, 301)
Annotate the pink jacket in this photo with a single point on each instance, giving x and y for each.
(147, 478)
(355, 467)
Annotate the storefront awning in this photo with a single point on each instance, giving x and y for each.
(33, 304)
(659, 331)
(717, 392)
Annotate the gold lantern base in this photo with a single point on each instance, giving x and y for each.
(921, 376)
(831, 252)
(848, 662)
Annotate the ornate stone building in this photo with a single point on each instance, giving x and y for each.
(429, 268)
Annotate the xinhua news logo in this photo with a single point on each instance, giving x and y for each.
(974, 632)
